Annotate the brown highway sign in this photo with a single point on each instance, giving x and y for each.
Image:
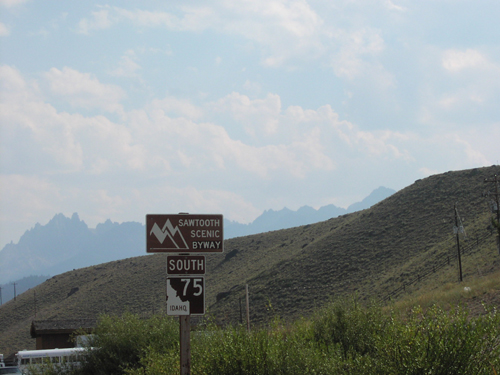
(185, 264)
(183, 233)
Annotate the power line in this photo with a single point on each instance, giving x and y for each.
(442, 261)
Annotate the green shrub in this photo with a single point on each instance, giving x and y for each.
(119, 343)
(344, 338)
(348, 326)
(432, 342)
(442, 342)
(234, 351)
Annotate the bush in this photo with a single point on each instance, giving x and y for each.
(441, 342)
(348, 326)
(234, 351)
(432, 342)
(119, 343)
(344, 338)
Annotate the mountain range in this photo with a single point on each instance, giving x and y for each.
(286, 218)
(66, 243)
(406, 242)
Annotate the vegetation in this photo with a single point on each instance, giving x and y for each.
(123, 341)
(297, 270)
(345, 337)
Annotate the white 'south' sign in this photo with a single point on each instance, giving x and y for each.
(185, 264)
(182, 233)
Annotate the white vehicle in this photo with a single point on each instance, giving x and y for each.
(27, 359)
(10, 370)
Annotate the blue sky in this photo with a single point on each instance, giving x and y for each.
(119, 109)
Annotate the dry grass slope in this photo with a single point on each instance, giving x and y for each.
(290, 272)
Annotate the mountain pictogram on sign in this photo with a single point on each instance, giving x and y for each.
(169, 234)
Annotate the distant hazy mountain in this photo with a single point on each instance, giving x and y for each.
(66, 243)
(285, 218)
(376, 196)
(21, 286)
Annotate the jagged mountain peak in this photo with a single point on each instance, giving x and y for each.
(65, 243)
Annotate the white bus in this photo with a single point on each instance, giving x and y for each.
(27, 359)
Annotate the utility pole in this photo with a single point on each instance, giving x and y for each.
(14, 290)
(248, 308)
(495, 206)
(456, 229)
(1, 303)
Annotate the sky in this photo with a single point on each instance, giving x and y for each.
(118, 109)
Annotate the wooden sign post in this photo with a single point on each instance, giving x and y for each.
(184, 234)
(185, 344)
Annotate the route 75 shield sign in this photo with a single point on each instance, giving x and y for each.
(185, 295)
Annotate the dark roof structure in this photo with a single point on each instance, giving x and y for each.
(45, 327)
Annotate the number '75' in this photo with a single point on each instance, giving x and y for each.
(196, 285)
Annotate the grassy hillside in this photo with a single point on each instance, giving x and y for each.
(371, 252)
(291, 272)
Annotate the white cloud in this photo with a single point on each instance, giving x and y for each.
(100, 20)
(193, 18)
(296, 18)
(4, 30)
(12, 3)
(35, 125)
(391, 6)
(127, 67)
(25, 200)
(172, 147)
(84, 90)
(460, 88)
(254, 88)
(177, 107)
(156, 142)
(284, 28)
(72, 142)
(259, 116)
(357, 50)
(450, 149)
(426, 172)
(171, 135)
(11, 80)
(474, 156)
(455, 60)
(29, 194)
